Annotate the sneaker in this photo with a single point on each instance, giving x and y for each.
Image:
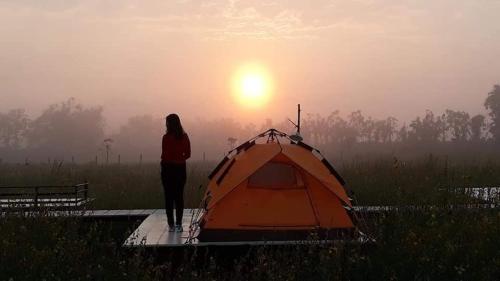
(171, 228)
(178, 228)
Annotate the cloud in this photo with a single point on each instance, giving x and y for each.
(220, 20)
(227, 20)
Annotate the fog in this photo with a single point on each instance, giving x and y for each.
(135, 58)
(75, 133)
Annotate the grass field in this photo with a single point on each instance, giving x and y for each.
(431, 244)
(374, 182)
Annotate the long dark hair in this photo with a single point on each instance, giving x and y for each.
(173, 123)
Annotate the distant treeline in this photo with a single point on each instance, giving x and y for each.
(71, 132)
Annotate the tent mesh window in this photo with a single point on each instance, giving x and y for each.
(276, 175)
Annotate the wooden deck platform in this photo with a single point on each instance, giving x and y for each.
(153, 231)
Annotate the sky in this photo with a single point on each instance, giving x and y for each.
(384, 57)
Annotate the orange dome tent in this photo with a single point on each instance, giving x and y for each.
(274, 191)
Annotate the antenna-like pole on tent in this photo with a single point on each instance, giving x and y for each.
(296, 137)
(298, 118)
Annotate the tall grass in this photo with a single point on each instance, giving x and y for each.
(433, 243)
(41, 247)
(429, 245)
(125, 186)
(374, 182)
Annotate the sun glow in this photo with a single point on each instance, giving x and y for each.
(252, 85)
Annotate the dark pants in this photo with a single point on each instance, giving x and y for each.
(173, 178)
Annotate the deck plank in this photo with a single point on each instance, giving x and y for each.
(154, 231)
(135, 212)
(113, 213)
(99, 213)
(158, 228)
(139, 236)
(122, 212)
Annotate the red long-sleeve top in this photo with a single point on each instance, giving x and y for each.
(175, 150)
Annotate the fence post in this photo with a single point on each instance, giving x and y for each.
(86, 191)
(119, 159)
(36, 197)
(76, 194)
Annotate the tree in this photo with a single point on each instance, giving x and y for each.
(492, 104)
(441, 127)
(67, 129)
(402, 134)
(141, 135)
(357, 123)
(340, 131)
(13, 127)
(427, 129)
(385, 129)
(391, 125)
(208, 136)
(315, 129)
(477, 125)
(368, 129)
(459, 124)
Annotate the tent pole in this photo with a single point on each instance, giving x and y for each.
(298, 118)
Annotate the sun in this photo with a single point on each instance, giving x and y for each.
(252, 85)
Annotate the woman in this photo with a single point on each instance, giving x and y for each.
(176, 149)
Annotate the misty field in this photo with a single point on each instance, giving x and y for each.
(433, 243)
(386, 181)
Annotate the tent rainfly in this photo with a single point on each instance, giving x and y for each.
(275, 191)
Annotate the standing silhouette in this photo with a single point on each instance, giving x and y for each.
(176, 149)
